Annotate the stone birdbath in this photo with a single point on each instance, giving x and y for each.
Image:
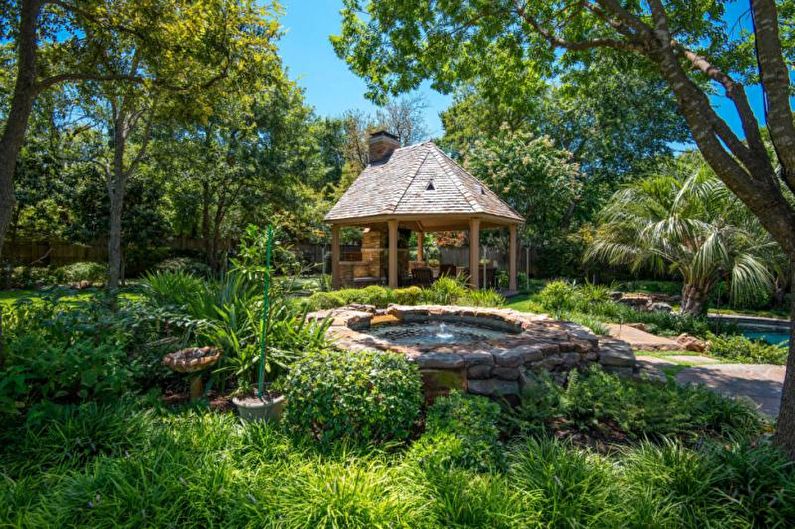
(193, 360)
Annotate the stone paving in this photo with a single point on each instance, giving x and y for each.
(642, 340)
(759, 382)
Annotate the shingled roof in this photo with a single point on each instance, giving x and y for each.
(418, 180)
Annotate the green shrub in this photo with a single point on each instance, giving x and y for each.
(559, 297)
(591, 293)
(460, 432)
(82, 271)
(353, 396)
(408, 295)
(324, 300)
(741, 349)
(31, 277)
(576, 489)
(595, 401)
(373, 295)
(482, 298)
(184, 264)
(596, 325)
(444, 291)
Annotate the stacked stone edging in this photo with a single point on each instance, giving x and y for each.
(502, 367)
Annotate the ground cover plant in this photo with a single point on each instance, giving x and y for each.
(745, 350)
(135, 462)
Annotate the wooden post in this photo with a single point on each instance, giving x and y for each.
(335, 256)
(420, 242)
(474, 252)
(512, 255)
(393, 253)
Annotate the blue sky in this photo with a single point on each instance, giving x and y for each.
(332, 89)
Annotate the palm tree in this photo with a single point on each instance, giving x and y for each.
(688, 223)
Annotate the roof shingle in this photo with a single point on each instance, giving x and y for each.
(399, 186)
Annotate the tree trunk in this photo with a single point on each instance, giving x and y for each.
(785, 425)
(21, 107)
(116, 187)
(694, 299)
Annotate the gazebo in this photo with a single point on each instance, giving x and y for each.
(415, 188)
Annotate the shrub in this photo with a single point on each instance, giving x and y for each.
(356, 396)
(586, 320)
(576, 489)
(373, 295)
(186, 265)
(559, 297)
(82, 271)
(460, 432)
(596, 401)
(742, 349)
(444, 291)
(408, 295)
(324, 300)
(31, 277)
(591, 294)
(482, 298)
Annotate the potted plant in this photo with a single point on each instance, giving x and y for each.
(262, 404)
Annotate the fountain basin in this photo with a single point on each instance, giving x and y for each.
(487, 351)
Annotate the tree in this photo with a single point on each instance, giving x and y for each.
(404, 118)
(690, 47)
(179, 46)
(687, 222)
(536, 178)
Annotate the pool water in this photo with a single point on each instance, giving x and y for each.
(432, 333)
(775, 338)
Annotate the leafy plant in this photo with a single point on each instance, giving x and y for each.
(444, 291)
(559, 297)
(408, 295)
(184, 264)
(742, 349)
(354, 396)
(482, 298)
(81, 271)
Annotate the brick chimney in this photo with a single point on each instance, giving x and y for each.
(382, 144)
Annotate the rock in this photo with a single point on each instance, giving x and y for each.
(691, 343)
(440, 381)
(494, 387)
(479, 372)
(570, 359)
(478, 358)
(615, 353)
(639, 326)
(626, 372)
(615, 295)
(361, 307)
(506, 373)
(659, 306)
(636, 301)
(436, 360)
(509, 357)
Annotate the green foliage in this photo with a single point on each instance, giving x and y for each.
(324, 300)
(482, 298)
(82, 271)
(444, 291)
(184, 264)
(689, 223)
(408, 295)
(741, 349)
(559, 296)
(30, 277)
(586, 320)
(358, 397)
(596, 401)
(460, 432)
(575, 487)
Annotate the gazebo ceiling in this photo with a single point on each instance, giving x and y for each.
(424, 190)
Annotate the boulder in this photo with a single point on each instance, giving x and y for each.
(615, 353)
(691, 343)
(660, 306)
(494, 387)
(436, 360)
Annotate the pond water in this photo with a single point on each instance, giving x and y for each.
(774, 338)
(432, 333)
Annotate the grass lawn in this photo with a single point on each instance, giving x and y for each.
(8, 297)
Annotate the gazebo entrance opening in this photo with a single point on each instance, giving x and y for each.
(386, 255)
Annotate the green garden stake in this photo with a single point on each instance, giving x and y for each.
(265, 313)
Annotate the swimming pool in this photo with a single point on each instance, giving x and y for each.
(775, 338)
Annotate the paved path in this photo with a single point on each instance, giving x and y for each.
(761, 383)
(641, 340)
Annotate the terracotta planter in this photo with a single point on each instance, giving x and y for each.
(252, 408)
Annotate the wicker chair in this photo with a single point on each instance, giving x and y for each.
(422, 277)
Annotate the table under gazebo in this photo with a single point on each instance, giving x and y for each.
(414, 189)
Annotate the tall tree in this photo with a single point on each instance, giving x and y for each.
(403, 117)
(690, 47)
(181, 46)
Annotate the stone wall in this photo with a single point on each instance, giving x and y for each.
(504, 367)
